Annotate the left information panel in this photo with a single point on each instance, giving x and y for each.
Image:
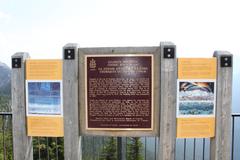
(44, 98)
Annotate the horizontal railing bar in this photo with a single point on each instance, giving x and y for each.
(10, 113)
(6, 113)
(235, 114)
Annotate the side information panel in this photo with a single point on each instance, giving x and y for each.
(44, 98)
(196, 96)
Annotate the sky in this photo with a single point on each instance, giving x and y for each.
(43, 27)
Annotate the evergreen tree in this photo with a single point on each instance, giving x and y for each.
(109, 150)
(134, 149)
(5, 103)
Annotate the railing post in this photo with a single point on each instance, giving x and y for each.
(221, 143)
(72, 139)
(121, 148)
(168, 101)
(22, 144)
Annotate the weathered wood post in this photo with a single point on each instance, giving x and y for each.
(72, 139)
(221, 143)
(22, 144)
(168, 101)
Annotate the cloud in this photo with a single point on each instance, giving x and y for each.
(4, 17)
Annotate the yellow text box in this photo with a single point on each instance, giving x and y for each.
(197, 68)
(195, 127)
(45, 126)
(44, 69)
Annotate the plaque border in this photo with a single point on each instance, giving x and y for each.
(152, 90)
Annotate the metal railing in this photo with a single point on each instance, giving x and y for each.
(94, 147)
(48, 148)
(235, 136)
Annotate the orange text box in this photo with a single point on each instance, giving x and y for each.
(195, 127)
(197, 68)
(44, 69)
(45, 126)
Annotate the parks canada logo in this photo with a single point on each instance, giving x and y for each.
(92, 64)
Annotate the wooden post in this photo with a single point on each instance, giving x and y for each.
(72, 139)
(221, 143)
(22, 144)
(168, 101)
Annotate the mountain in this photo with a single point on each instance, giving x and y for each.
(5, 79)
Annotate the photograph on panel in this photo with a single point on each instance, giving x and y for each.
(44, 98)
(196, 98)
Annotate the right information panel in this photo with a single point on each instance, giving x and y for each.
(196, 96)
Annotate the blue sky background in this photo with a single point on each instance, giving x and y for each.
(43, 27)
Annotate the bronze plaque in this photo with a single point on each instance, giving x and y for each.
(119, 92)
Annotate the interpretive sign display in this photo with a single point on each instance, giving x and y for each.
(44, 98)
(196, 96)
(119, 92)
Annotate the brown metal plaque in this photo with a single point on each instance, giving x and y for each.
(119, 92)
